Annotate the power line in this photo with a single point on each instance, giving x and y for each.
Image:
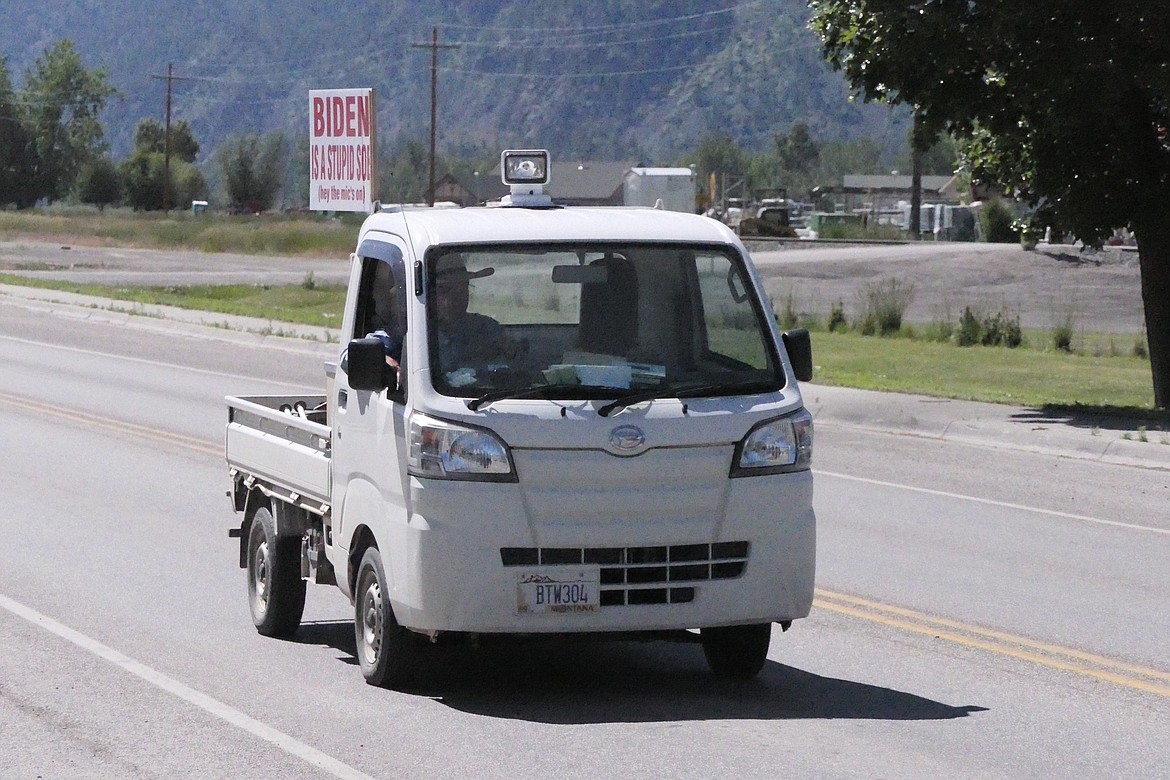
(608, 27)
(559, 45)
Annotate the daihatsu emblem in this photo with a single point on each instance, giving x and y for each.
(627, 438)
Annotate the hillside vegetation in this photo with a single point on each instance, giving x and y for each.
(600, 79)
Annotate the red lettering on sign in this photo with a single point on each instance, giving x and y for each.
(336, 116)
(363, 116)
(318, 117)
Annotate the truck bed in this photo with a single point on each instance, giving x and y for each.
(283, 443)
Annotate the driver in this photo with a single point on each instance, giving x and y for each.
(464, 339)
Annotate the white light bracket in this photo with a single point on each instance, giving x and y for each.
(525, 171)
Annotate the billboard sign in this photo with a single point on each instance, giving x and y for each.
(341, 150)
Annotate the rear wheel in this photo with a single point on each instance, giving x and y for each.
(384, 648)
(736, 652)
(276, 592)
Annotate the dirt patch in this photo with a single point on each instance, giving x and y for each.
(1099, 291)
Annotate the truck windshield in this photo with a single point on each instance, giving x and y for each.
(594, 321)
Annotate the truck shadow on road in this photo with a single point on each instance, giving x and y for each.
(561, 681)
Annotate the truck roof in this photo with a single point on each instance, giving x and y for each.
(428, 227)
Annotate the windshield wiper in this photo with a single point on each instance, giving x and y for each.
(686, 390)
(537, 391)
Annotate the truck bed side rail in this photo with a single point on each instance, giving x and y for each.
(284, 453)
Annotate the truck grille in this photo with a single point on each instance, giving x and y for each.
(642, 575)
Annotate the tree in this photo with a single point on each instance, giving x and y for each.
(144, 171)
(143, 176)
(404, 176)
(1067, 106)
(718, 154)
(797, 151)
(17, 152)
(151, 136)
(253, 170)
(100, 183)
(64, 101)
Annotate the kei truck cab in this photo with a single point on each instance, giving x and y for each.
(542, 420)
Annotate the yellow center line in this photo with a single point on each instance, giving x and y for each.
(998, 642)
(965, 634)
(110, 424)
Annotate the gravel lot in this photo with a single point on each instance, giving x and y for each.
(1100, 290)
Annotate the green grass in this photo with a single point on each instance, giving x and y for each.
(321, 305)
(269, 234)
(1023, 376)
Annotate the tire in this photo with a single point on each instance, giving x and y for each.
(385, 650)
(736, 652)
(276, 592)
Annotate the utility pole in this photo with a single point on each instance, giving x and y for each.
(170, 77)
(434, 46)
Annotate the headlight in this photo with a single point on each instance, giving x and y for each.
(776, 446)
(443, 450)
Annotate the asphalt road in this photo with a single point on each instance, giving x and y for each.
(982, 610)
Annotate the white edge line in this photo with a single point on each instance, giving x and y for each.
(201, 700)
(992, 502)
(162, 364)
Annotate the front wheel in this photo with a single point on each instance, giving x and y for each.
(384, 648)
(276, 592)
(736, 652)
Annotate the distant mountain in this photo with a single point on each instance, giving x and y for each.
(600, 79)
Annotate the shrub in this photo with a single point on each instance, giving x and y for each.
(837, 317)
(997, 330)
(996, 223)
(1062, 334)
(789, 317)
(1001, 330)
(883, 305)
(970, 330)
(1140, 349)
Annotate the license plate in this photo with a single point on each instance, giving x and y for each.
(558, 592)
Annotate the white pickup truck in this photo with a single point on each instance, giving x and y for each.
(542, 420)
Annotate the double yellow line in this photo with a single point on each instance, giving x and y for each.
(110, 424)
(999, 642)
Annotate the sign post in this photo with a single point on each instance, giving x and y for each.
(342, 132)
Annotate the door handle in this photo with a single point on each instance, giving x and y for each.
(342, 398)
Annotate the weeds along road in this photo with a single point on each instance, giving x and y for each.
(1099, 291)
(980, 612)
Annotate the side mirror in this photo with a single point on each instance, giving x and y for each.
(366, 364)
(798, 344)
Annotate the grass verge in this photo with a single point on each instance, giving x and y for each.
(1023, 376)
(316, 304)
(1117, 384)
(269, 234)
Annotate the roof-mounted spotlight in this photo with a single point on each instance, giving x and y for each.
(525, 171)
